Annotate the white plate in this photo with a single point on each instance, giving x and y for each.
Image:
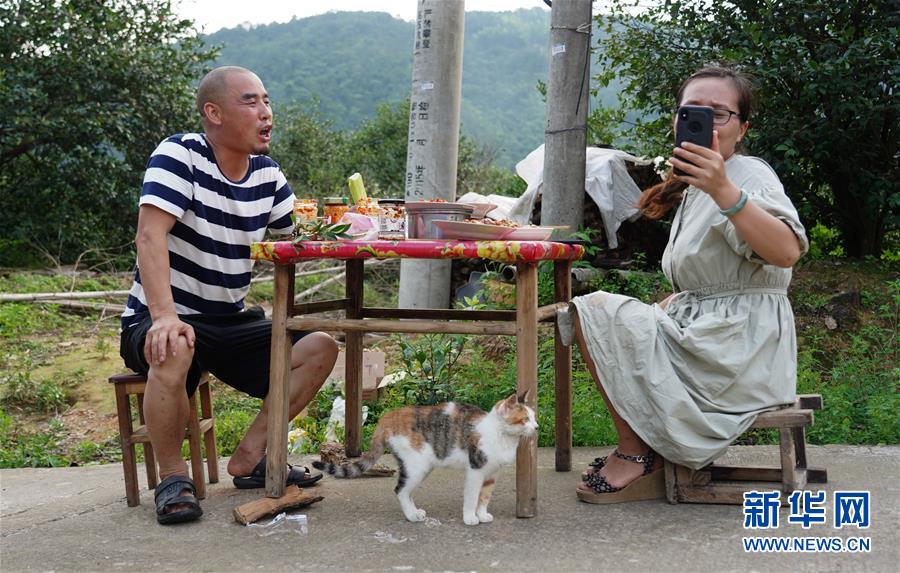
(481, 209)
(472, 231)
(529, 234)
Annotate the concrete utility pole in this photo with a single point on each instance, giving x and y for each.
(565, 137)
(433, 145)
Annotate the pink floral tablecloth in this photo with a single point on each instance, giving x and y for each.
(286, 252)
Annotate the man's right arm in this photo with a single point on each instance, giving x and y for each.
(151, 239)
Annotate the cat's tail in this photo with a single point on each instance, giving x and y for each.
(362, 465)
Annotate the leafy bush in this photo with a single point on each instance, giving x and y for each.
(38, 449)
(47, 395)
(824, 242)
(646, 287)
(20, 319)
(428, 365)
(234, 412)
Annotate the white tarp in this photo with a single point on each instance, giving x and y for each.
(606, 181)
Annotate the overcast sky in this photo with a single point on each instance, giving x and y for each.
(212, 15)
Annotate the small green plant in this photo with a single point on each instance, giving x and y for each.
(39, 449)
(643, 286)
(235, 412)
(428, 362)
(591, 249)
(17, 319)
(824, 242)
(48, 395)
(103, 345)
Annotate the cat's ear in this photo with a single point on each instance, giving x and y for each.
(509, 402)
(522, 398)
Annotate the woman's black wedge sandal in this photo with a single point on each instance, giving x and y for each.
(650, 485)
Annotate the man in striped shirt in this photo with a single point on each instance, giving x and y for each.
(205, 198)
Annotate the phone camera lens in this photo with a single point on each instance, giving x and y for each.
(695, 127)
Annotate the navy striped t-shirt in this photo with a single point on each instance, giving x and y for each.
(217, 219)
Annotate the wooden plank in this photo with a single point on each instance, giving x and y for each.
(799, 437)
(320, 306)
(279, 382)
(809, 401)
(135, 387)
(293, 498)
(354, 365)
(526, 380)
(357, 325)
(207, 428)
(562, 366)
(438, 314)
(816, 475)
(193, 435)
(719, 493)
(736, 473)
(547, 313)
(129, 462)
(149, 457)
(790, 475)
(787, 418)
(669, 468)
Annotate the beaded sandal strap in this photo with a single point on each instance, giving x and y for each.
(646, 460)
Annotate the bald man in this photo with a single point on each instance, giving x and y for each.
(205, 198)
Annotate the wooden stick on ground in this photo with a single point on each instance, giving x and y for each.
(293, 498)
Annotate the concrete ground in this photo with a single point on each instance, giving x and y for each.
(76, 519)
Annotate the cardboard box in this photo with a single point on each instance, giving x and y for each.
(373, 371)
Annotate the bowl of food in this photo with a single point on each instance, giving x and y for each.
(480, 210)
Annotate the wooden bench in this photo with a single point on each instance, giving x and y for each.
(727, 484)
(203, 426)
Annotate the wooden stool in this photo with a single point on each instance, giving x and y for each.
(727, 484)
(128, 384)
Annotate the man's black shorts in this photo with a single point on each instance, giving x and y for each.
(235, 348)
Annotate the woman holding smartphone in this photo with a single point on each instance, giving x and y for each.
(683, 378)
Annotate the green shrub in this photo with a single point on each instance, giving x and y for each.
(235, 412)
(39, 449)
(49, 395)
(824, 242)
(644, 286)
(23, 319)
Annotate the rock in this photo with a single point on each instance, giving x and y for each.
(843, 310)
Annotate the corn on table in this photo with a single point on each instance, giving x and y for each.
(358, 319)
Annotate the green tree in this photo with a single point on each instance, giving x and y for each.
(311, 153)
(827, 73)
(88, 88)
(317, 159)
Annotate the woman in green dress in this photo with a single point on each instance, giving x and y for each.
(685, 377)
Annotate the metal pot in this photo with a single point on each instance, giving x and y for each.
(420, 216)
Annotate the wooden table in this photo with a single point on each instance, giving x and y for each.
(358, 319)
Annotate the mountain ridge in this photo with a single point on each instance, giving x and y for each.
(347, 63)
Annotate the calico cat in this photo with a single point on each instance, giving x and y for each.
(447, 435)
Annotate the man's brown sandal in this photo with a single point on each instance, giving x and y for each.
(650, 485)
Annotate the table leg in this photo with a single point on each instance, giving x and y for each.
(353, 368)
(526, 380)
(562, 286)
(279, 382)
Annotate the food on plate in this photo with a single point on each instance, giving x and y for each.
(495, 222)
